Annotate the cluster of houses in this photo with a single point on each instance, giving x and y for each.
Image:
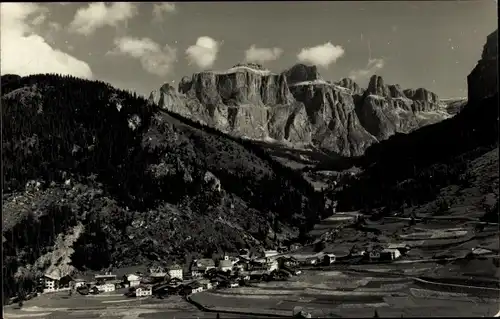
(204, 274)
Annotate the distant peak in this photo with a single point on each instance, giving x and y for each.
(250, 65)
(302, 73)
(376, 86)
(167, 87)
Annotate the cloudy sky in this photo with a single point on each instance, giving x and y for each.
(429, 44)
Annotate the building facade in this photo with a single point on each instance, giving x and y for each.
(175, 271)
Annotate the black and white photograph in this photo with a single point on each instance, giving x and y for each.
(250, 159)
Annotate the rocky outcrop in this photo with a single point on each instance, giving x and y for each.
(349, 83)
(395, 91)
(332, 115)
(387, 109)
(301, 73)
(376, 86)
(423, 100)
(482, 82)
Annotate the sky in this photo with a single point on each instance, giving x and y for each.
(140, 46)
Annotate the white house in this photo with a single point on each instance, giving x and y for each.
(234, 285)
(225, 264)
(143, 291)
(49, 283)
(133, 280)
(175, 271)
(201, 266)
(272, 265)
(53, 282)
(106, 287)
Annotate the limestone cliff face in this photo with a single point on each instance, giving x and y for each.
(245, 100)
(332, 115)
(483, 80)
(387, 109)
(349, 83)
(300, 107)
(301, 73)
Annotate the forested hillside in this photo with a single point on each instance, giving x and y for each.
(411, 168)
(97, 177)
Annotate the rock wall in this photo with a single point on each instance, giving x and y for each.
(385, 110)
(245, 100)
(482, 82)
(300, 107)
(332, 115)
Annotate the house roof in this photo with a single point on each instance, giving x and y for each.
(225, 263)
(207, 262)
(130, 270)
(133, 277)
(52, 276)
(174, 267)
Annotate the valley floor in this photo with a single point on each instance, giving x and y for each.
(348, 291)
(353, 294)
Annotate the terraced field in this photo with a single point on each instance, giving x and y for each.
(350, 294)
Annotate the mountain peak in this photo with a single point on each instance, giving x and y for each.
(302, 73)
(376, 86)
(350, 84)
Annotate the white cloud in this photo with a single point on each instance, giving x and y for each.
(203, 53)
(97, 15)
(372, 66)
(23, 52)
(54, 26)
(322, 55)
(262, 55)
(159, 10)
(153, 58)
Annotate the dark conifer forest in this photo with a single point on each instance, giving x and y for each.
(108, 179)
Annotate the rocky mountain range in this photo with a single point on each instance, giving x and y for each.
(301, 108)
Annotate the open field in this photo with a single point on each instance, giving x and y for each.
(116, 306)
(350, 294)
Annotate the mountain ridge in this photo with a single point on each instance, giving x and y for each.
(299, 106)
